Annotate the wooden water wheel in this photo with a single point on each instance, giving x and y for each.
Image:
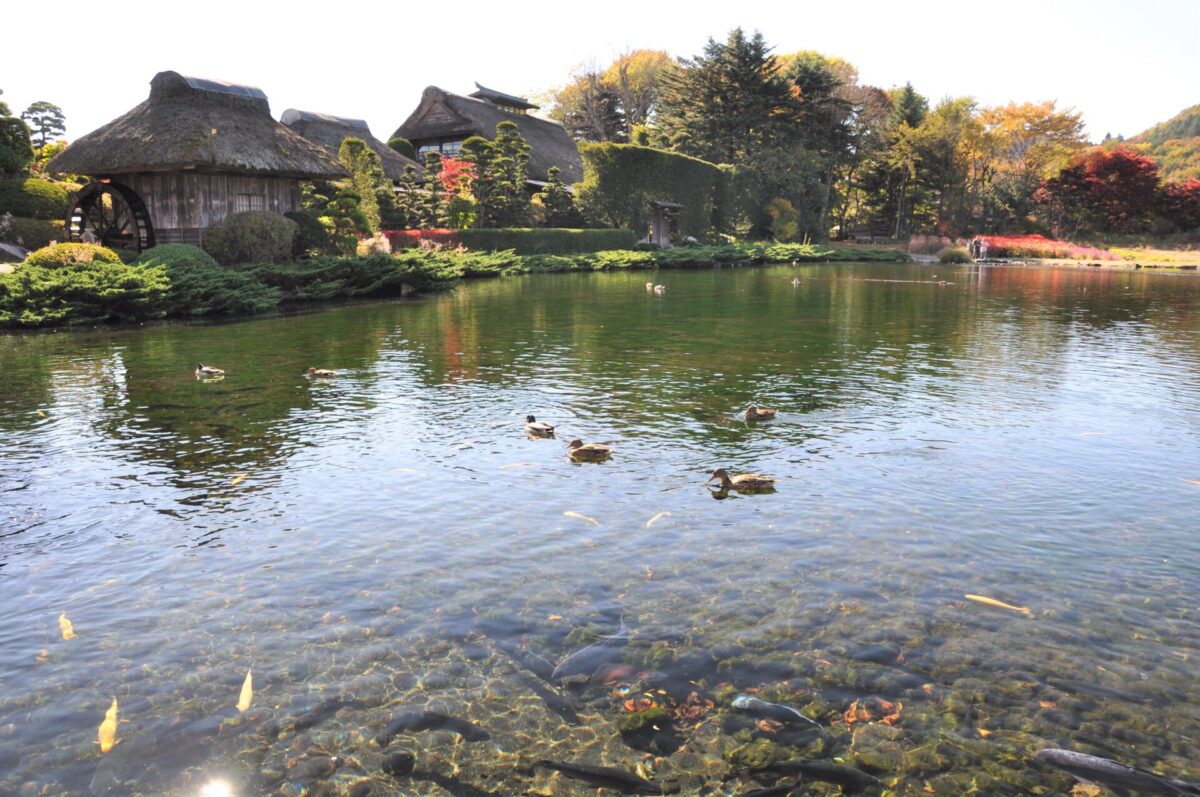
(110, 214)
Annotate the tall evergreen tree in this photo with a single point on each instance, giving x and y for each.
(16, 150)
(377, 200)
(557, 202)
(46, 122)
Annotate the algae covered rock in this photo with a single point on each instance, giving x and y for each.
(876, 747)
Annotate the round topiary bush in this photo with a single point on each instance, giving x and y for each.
(59, 255)
(34, 198)
(177, 256)
(255, 236)
(311, 236)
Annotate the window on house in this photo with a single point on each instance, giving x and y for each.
(244, 202)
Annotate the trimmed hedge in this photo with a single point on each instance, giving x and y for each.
(199, 286)
(621, 180)
(323, 278)
(35, 198)
(254, 236)
(546, 241)
(81, 293)
(60, 255)
(311, 236)
(37, 233)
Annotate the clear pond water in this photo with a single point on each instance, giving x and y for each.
(390, 540)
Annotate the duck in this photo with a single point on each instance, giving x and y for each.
(756, 413)
(795, 282)
(649, 286)
(580, 451)
(660, 289)
(207, 371)
(743, 482)
(538, 428)
(320, 373)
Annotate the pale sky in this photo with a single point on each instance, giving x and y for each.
(1124, 65)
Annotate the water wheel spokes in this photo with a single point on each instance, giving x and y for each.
(110, 214)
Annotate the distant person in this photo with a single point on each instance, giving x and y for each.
(973, 248)
(983, 247)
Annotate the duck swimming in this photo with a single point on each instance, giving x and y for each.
(744, 482)
(206, 371)
(756, 413)
(320, 373)
(660, 289)
(579, 451)
(538, 428)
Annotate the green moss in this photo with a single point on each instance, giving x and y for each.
(649, 718)
(757, 753)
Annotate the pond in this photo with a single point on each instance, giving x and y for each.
(391, 541)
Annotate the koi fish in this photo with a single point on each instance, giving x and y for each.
(247, 694)
(107, 733)
(578, 516)
(64, 625)
(999, 604)
(656, 518)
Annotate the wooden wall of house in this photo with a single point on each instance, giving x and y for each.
(181, 204)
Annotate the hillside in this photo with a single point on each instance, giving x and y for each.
(1175, 144)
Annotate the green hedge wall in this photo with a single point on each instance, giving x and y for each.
(546, 241)
(621, 180)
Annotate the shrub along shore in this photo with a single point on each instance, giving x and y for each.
(82, 284)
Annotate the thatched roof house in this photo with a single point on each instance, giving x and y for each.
(330, 131)
(442, 121)
(193, 152)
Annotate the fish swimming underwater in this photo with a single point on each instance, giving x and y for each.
(772, 711)
(1114, 775)
(605, 777)
(413, 721)
(850, 779)
(586, 661)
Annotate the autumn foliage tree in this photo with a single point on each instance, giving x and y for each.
(1102, 191)
(1179, 203)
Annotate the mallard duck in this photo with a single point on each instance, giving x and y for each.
(207, 371)
(580, 451)
(743, 482)
(538, 428)
(320, 373)
(755, 413)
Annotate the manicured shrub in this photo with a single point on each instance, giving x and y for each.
(35, 198)
(85, 292)
(540, 241)
(254, 236)
(311, 236)
(60, 255)
(954, 254)
(323, 278)
(35, 233)
(199, 286)
(403, 146)
(126, 255)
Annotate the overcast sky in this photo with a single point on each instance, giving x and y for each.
(1123, 65)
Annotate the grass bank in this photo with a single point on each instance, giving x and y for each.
(71, 285)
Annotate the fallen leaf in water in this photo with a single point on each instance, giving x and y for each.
(41, 414)
(64, 625)
(1085, 790)
(247, 694)
(656, 518)
(638, 704)
(768, 726)
(1047, 704)
(578, 516)
(1191, 481)
(649, 573)
(999, 604)
(106, 735)
(43, 656)
(554, 617)
(873, 709)
(984, 732)
(238, 479)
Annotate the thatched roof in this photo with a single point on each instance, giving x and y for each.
(330, 131)
(192, 123)
(445, 115)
